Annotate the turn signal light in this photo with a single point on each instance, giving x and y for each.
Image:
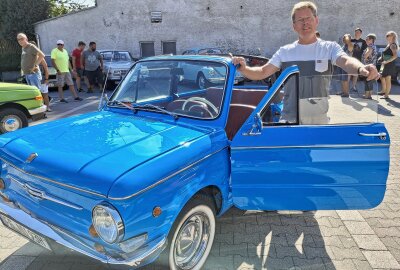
(92, 231)
(38, 98)
(99, 248)
(2, 184)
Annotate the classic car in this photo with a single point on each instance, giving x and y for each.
(18, 104)
(207, 76)
(116, 66)
(381, 48)
(146, 175)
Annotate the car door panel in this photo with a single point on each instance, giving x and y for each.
(309, 167)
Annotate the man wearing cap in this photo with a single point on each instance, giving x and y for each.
(60, 61)
(359, 46)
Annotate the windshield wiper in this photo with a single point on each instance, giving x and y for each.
(151, 106)
(136, 107)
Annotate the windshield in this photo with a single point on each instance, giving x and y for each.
(116, 56)
(186, 88)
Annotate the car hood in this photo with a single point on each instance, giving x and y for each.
(92, 151)
(15, 86)
(119, 64)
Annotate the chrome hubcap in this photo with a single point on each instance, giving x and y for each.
(192, 241)
(11, 123)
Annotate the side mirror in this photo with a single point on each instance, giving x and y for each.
(255, 127)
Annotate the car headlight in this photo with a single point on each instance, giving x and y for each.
(108, 223)
(117, 72)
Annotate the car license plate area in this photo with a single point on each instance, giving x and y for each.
(15, 226)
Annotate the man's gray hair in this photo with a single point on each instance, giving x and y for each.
(304, 4)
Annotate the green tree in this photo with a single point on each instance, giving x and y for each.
(19, 16)
(61, 7)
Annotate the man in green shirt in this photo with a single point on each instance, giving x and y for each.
(60, 61)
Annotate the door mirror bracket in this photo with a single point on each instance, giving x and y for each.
(255, 127)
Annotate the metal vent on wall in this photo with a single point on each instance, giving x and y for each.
(156, 16)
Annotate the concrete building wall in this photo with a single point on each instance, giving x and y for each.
(237, 25)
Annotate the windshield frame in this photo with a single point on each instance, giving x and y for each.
(222, 105)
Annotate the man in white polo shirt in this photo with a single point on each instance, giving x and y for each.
(60, 61)
(315, 58)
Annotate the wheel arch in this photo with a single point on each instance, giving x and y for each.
(15, 106)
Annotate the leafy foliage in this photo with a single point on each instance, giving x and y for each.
(61, 7)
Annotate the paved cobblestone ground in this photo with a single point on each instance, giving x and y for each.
(275, 240)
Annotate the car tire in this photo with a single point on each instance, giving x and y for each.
(12, 119)
(195, 224)
(202, 81)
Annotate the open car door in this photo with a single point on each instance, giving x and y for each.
(293, 154)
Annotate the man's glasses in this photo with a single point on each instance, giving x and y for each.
(60, 44)
(303, 20)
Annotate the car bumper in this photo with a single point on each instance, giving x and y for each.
(39, 110)
(142, 256)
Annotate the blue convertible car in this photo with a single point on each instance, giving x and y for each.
(148, 173)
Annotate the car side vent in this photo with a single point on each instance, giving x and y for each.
(156, 16)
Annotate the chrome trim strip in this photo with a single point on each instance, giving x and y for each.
(36, 193)
(52, 181)
(166, 178)
(311, 146)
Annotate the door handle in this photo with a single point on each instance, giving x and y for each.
(381, 135)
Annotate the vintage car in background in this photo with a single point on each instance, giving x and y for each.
(18, 104)
(145, 176)
(396, 78)
(116, 66)
(207, 76)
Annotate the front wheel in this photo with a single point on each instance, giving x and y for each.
(192, 235)
(12, 119)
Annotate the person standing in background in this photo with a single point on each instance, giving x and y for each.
(359, 46)
(44, 87)
(60, 61)
(389, 67)
(369, 57)
(92, 61)
(77, 65)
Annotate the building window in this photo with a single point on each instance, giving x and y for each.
(156, 16)
(147, 49)
(168, 47)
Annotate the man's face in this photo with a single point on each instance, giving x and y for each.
(93, 47)
(305, 23)
(22, 40)
(82, 47)
(357, 34)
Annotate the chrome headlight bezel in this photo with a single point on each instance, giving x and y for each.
(114, 219)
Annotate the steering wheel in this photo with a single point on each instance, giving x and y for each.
(204, 101)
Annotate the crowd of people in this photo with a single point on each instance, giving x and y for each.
(86, 65)
(366, 52)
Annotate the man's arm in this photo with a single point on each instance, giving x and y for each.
(254, 73)
(352, 66)
(74, 61)
(40, 57)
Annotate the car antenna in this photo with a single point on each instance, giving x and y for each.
(112, 58)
